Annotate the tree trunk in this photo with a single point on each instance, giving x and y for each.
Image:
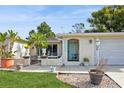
(39, 52)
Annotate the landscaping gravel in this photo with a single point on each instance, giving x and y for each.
(83, 81)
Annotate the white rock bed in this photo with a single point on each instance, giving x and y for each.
(83, 81)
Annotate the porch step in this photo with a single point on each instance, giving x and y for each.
(35, 62)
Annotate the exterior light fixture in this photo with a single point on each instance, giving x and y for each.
(97, 43)
(90, 41)
(97, 50)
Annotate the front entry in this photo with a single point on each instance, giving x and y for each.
(73, 50)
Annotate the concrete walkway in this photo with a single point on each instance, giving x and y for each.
(66, 69)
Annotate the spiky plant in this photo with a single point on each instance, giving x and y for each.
(12, 37)
(38, 40)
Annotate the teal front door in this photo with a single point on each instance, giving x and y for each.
(73, 50)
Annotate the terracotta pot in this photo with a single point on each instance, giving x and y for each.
(7, 62)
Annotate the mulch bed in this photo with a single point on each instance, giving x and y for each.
(83, 81)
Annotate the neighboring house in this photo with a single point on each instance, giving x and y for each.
(21, 54)
(20, 50)
(70, 49)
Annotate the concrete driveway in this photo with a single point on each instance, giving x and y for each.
(117, 77)
(117, 74)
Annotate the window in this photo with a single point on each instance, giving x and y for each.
(39, 50)
(52, 50)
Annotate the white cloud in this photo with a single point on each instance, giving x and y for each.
(58, 17)
(12, 18)
(81, 11)
(34, 9)
(34, 13)
(20, 14)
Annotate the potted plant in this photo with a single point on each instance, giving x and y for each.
(6, 44)
(97, 74)
(7, 61)
(27, 47)
(86, 61)
(44, 50)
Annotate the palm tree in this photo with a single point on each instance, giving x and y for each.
(3, 37)
(38, 40)
(12, 38)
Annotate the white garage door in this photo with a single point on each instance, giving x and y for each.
(113, 50)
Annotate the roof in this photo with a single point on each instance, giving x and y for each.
(112, 34)
(55, 39)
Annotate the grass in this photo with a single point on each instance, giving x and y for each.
(12, 79)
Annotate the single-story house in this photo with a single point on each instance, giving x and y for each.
(71, 49)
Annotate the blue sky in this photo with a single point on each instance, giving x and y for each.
(61, 18)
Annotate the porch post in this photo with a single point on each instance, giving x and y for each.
(98, 50)
(64, 51)
(39, 51)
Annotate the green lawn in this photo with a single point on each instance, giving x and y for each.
(11, 79)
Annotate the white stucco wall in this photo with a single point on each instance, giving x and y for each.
(86, 49)
(20, 50)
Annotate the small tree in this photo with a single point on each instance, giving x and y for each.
(45, 29)
(38, 40)
(78, 28)
(30, 32)
(108, 19)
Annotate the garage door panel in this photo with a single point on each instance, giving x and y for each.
(115, 61)
(119, 54)
(113, 50)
